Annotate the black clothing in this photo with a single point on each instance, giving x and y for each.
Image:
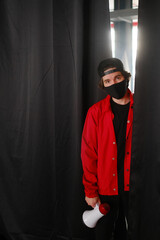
(120, 122)
(113, 225)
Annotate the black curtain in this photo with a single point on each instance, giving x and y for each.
(49, 52)
(145, 170)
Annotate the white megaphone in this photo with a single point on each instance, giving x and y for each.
(91, 217)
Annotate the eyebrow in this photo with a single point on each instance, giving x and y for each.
(107, 79)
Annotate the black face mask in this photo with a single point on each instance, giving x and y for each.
(117, 90)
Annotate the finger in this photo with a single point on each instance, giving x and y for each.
(93, 205)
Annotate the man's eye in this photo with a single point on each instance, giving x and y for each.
(106, 81)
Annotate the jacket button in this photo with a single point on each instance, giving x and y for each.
(127, 170)
(114, 189)
(114, 142)
(127, 152)
(127, 185)
(113, 158)
(114, 174)
(128, 121)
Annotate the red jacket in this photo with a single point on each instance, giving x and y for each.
(99, 150)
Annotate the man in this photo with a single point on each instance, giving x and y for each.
(106, 147)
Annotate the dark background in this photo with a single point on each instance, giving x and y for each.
(145, 170)
(49, 52)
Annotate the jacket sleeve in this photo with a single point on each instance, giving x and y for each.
(89, 149)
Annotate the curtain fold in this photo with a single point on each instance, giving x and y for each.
(145, 180)
(48, 79)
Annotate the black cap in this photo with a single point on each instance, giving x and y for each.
(110, 63)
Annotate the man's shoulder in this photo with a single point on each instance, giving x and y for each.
(100, 106)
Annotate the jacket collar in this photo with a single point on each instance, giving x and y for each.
(107, 105)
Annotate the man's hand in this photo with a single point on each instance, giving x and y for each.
(92, 201)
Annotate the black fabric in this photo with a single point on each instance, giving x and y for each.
(105, 226)
(145, 167)
(108, 63)
(113, 225)
(49, 53)
(111, 71)
(120, 123)
(117, 90)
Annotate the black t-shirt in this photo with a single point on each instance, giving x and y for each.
(120, 123)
